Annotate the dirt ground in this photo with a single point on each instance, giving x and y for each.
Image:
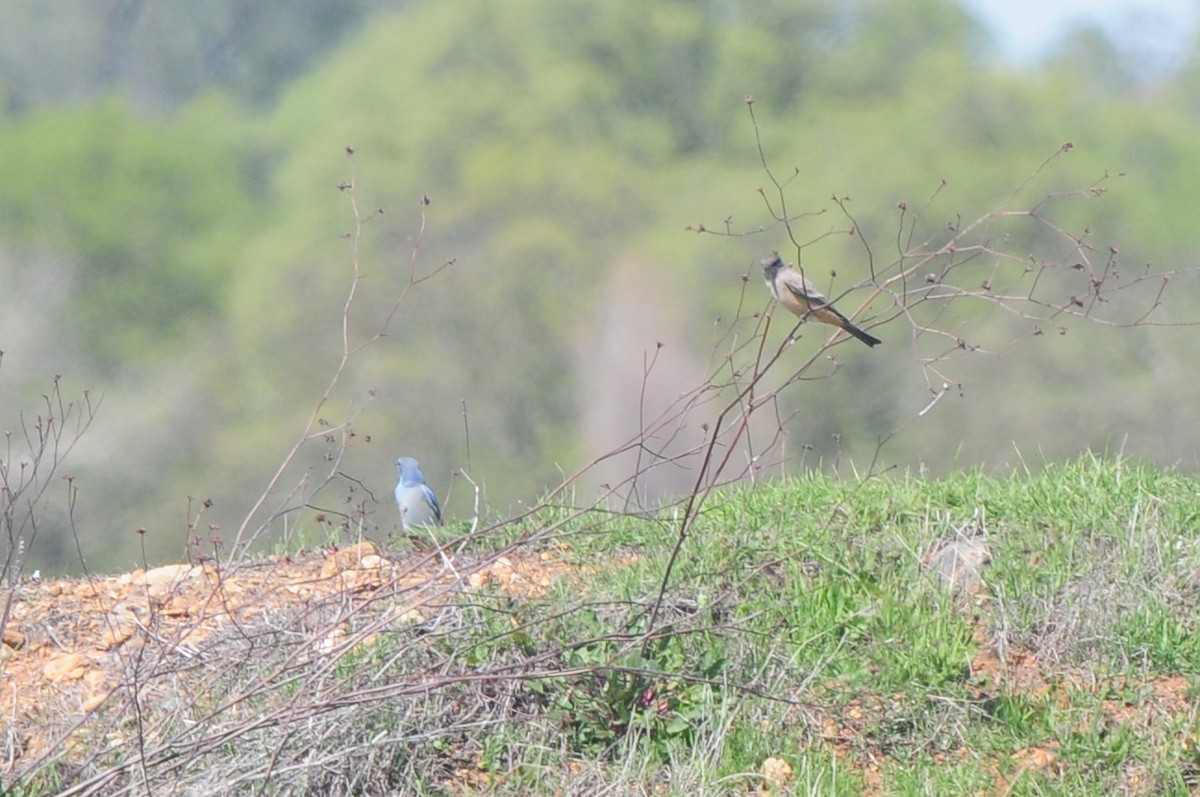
(68, 643)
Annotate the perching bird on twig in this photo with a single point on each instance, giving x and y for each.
(791, 289)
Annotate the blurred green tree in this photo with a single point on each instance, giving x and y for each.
(565, 146)
(152, 210)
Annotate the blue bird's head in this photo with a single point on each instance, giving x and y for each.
(410, 472)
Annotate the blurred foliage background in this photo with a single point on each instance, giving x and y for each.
(172, 236)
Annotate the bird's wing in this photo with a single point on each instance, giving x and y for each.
(805, 291)
(433, 502)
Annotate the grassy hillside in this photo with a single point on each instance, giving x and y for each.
(1027, 635)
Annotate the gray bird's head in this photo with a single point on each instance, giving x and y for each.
(771, 266)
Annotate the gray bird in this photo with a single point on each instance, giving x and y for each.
(791, 289)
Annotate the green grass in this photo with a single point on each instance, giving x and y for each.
(814, 590)
(801, 623)
(807, 602)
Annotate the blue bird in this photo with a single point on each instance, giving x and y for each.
(418, 505)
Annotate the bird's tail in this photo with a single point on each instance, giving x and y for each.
(865, 337)
(830, 315)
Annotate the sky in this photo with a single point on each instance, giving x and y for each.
(1026, 29)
